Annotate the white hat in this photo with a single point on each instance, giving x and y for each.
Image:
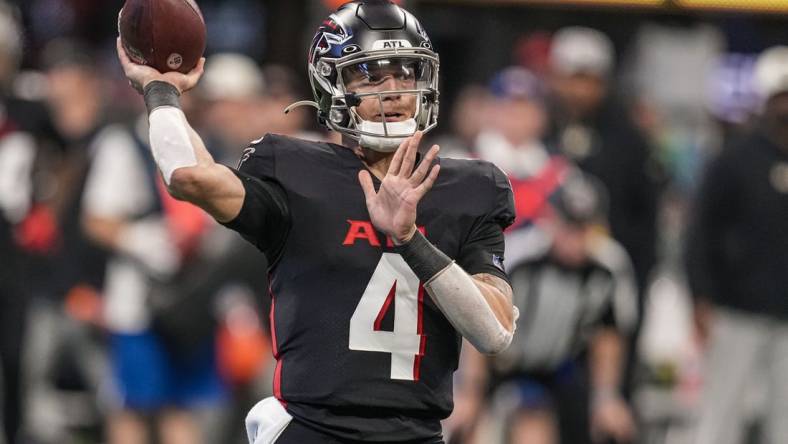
(576, 50)
(231, 76)
(771, 72)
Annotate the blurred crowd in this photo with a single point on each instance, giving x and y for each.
(647, 256)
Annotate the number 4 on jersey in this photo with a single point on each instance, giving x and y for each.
(392, 281)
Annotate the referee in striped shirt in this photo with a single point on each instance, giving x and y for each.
(575, 288)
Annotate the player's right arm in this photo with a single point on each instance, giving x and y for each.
(185, 164)
(209, 185)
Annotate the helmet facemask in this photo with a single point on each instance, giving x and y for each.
(381, 97)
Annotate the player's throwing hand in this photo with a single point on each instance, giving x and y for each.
(141, 75)
(392, 208)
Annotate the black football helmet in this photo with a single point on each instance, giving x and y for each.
(353, 55)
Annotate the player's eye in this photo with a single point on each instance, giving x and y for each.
(376, 77)
(376, 72)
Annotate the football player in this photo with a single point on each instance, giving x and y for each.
(370, 296)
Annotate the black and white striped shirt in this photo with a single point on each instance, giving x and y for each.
(561, 307)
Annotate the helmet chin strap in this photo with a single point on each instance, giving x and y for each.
(381, 143)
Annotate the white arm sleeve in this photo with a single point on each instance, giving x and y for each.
(463, 304)
(170, 141)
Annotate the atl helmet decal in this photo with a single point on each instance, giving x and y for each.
(335, 24)
(334, 33)
(422, 32)
(327, 41)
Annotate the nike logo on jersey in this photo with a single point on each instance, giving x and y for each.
(363, 230)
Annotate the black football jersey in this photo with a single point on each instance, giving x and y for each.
(362, 351)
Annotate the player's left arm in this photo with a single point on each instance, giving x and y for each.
(478, 306)
(498, 294)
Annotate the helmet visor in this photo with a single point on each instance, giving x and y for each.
(387, 74)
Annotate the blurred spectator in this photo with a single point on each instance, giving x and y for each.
(597, 133)
(156, 373)
(231, 87)
(532, 51)
(26, 229)
(75, 98)
(679, 75)
(513, 140)
(236, 25)
(576, 293)
(282, 90)
(468, 118)
(65, 363)
(10, 45)
(244, 101)
(17, 154)
(738, 262)
(670, 357)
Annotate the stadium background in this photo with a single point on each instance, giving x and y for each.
(689, 95)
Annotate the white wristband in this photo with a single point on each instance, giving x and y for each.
(463, 304)
(170, 141)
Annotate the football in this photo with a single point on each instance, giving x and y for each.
(168, 35)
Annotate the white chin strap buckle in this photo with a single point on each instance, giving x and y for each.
(380, 142)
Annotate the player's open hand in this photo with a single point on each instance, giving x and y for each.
(141, 75)
(393, 207)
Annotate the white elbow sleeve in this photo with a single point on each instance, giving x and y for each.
(170, 141)
(463, 304)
